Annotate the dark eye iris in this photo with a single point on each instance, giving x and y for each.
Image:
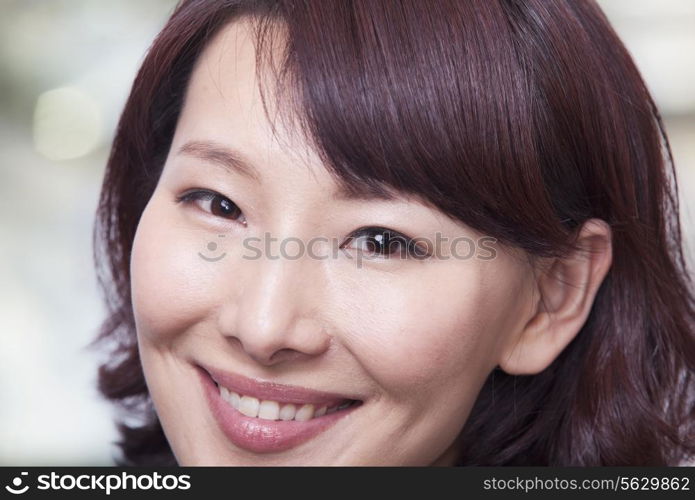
(224, 207)
(386, 243)
(215, 204)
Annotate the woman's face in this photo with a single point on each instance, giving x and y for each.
(257, 353)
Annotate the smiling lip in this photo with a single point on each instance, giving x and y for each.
(265, 436)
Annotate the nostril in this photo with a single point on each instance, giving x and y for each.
(284, 355)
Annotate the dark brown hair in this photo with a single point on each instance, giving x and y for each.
(520, 118)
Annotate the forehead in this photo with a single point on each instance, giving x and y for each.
(224, 104)
(233, 99)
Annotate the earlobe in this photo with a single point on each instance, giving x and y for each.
(564, 294)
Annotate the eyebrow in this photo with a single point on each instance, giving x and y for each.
(232, 160)
(218, 154)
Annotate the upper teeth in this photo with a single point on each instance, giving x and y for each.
(272, 410)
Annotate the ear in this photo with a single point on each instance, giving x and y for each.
(564, 293)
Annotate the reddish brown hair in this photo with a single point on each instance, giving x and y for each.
(520, 118)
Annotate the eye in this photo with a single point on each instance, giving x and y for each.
(214, 203)
(386, 243)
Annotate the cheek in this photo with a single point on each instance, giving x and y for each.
(170, 284)
(436, 329)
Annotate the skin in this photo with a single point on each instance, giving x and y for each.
(413, 339)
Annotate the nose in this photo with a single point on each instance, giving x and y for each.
(274, 318)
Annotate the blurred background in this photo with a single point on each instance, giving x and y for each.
(65, 70)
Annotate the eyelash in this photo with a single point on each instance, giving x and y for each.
(375, 236)
(378, 236)
(211, 196)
